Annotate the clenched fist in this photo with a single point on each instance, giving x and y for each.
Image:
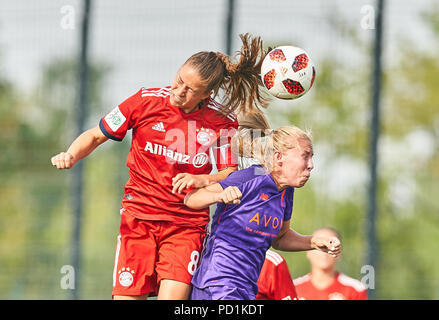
(63, 160)
(230, 195)
(330, 245)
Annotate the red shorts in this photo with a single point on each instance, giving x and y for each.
(149, 251)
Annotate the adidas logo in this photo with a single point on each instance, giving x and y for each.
(159, 127)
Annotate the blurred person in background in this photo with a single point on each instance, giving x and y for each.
(173, 129)
(275, 282)
(324, 282)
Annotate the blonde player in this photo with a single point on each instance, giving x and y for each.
(253, 213)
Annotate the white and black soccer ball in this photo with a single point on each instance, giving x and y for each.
(287, 72)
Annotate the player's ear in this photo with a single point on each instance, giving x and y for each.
(277, 156)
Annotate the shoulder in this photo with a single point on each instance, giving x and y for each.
(258, 180)
(214, 109)
(155, 95)
(302, 280)
(241, 176)
(351, 282)
(147, 97)
(251, 186)
(274, 257)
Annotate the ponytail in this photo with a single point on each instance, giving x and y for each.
(250, 142)
(240, 81)
(242, 84)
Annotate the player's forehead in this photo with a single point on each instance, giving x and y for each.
(301, 145)
(305, 145)
(190, 77)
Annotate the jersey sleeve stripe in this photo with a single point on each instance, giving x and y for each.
(274, 257)
(106, 133)
(150, 94)
(163, 92)
(351, 282)
(300, 280)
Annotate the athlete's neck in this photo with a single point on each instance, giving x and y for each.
(196, 108)
(279, 185)
(322, 279)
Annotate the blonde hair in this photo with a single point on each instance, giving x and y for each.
(256, 140)
(240, 82)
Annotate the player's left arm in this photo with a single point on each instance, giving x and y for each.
(290, 240)
(204, 197)
(186, 180)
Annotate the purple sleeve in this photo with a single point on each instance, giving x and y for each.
(232, 180)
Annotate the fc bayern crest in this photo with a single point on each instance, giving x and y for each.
(204, 136)
(126, 277)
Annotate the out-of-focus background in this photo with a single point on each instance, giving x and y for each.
(142, 43)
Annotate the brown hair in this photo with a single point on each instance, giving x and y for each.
(240, 81)
(247, 141)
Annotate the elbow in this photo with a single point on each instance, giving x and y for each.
(188, 201)
(275, 245)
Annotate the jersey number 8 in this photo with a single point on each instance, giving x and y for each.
(192, 266)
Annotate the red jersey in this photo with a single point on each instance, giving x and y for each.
(166, 141)
(343, 288)
(275, 282)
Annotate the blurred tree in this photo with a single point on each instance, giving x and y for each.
(10, 193)
(411, 172)
(37, 126)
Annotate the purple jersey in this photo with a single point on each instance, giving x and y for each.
(241, 234)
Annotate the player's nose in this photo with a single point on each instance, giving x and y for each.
(180, 91)
(310, 165)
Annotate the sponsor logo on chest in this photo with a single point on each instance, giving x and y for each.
(267, 221)
(199, 160)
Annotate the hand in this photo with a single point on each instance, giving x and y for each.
(330, 245)
(63, 160)
(187, 180)
(230, 195)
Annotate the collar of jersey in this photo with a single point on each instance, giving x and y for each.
(188, 115)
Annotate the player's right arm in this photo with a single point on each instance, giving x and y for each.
(204, 197)
(80, 148)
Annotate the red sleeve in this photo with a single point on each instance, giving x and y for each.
(275, 282)
(362, 295)
(124, 117)
(264, 282)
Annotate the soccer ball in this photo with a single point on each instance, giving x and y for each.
(287, 72)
